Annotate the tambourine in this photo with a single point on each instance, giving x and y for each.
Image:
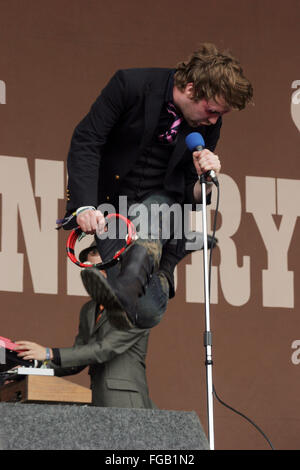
(77, 233)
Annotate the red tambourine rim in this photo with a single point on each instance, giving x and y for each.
(75, 233)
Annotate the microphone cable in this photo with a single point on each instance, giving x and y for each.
(209, 285)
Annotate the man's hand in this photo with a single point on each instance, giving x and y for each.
(205, 160)
(32, 351)
(91, 221)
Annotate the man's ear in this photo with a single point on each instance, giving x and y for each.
(189, 91)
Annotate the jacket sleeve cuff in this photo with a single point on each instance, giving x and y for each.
(56, 357)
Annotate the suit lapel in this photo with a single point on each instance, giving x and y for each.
(153, 104)
(99, 323)
(180, 147)
(90, 318)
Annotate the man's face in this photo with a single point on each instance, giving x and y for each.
(202, 112)
(95, 258)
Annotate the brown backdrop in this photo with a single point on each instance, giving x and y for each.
(54, 59)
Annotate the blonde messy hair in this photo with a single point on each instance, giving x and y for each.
(214, 74)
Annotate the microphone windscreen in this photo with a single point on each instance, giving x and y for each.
(194, 140)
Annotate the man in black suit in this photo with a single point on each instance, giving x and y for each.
(132, 143)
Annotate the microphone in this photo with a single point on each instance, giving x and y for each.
(195, 141)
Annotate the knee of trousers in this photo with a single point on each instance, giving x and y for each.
(152, 306)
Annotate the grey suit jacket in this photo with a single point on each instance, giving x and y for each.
(116, 361)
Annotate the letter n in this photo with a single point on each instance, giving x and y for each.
(40, 236)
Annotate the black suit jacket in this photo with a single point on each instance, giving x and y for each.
(120, 125)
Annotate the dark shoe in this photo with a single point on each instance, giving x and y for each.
(121, 294)
(101, 292)
(175, 250)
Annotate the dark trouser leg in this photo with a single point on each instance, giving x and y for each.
(139, 262)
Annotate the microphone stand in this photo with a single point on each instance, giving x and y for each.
(207, 333)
